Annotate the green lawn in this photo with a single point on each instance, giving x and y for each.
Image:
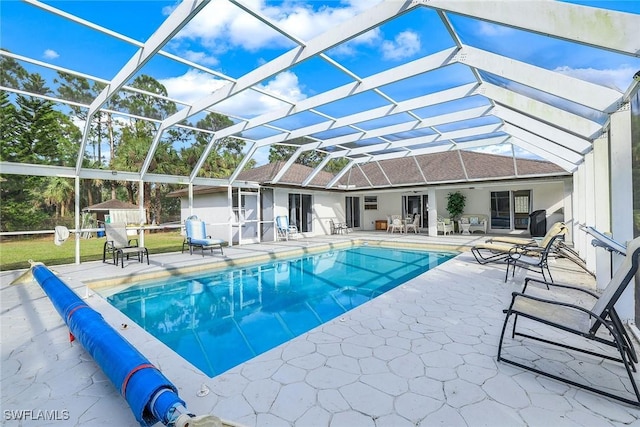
(15, 254)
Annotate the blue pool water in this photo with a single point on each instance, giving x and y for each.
(222, 319)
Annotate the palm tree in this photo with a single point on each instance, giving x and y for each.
(59, 192)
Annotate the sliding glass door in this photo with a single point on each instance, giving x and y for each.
(500, 210)
(510, 209)
(352, 211)
(301, 211)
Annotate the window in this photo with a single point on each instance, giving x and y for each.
(370, 203)
(301, 211)
(521, 204)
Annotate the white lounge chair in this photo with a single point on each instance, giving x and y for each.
(338, 227)
(285, 230)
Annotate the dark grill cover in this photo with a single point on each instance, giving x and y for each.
(538, 223)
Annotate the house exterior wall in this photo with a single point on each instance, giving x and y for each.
(388, 204)
(212, 208)
(326, 206)
(544, 195)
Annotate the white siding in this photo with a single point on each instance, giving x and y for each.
(212, 208)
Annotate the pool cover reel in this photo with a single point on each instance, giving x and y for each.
(151, 396)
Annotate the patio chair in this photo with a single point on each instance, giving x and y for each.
(413, 225)
(444, 226)
(562, 314)
(118, 244)
(196, 231)
(561, 249)
(285, 230)
(338, 227)
(524, 257)
(497, 249)
(558, 227)
(396, 224)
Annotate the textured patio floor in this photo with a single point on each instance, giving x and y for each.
(422, 354)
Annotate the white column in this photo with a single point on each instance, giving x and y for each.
(589, 206)
(602, 194)
(579, 208)
(433, 212)
(567, 206)
(622, 196)
(230, 214)
(143, 217)
(77, 218)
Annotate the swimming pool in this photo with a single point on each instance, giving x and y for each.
(219, 320)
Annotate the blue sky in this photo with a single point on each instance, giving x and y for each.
(226, 40)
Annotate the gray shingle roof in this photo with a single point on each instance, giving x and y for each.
(446, 167)
(111, 204)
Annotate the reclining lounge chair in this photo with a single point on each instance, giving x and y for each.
(524, 257)
(197, 237)
(591, 323)
(118, 244)
(558, 227)
(285, 230)
(495, 245)
(497, 249)
(338, 227)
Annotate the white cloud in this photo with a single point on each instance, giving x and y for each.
(50, 54)
(200, 58)
(221, 26)
(192, 85)
(195, 85)
(349, 48)
(507, 149)
(618, 79)
(405, 45)
(493, 30)
(498, 149)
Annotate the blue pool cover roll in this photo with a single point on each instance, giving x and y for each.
(148, 392)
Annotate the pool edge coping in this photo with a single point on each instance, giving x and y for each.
(115, 284)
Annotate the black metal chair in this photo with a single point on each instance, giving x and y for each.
(497, 248)
(522, 256)
(589, 323)
(118, 244)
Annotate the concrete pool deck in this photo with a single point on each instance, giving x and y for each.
(422, 354)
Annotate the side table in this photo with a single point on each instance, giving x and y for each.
(464, 227)
(381, 224)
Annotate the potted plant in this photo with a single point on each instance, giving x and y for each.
(455, 205)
